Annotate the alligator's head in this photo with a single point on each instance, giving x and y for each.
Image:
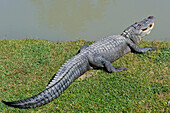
(139, 29)
(144, 27)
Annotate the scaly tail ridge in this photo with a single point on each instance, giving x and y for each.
(70, 71)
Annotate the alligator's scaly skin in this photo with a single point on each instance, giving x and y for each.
(99, 54)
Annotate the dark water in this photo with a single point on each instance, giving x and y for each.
(61, 20)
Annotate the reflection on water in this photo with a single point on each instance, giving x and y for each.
(71, 15)
(64, 20)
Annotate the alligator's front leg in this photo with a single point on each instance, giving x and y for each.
(99, 61)
(137, 49)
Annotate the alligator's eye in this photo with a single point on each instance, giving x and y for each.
(144, 29)
(139, 25)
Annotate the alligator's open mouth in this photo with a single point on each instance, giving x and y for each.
(151, 25)
(148, 29)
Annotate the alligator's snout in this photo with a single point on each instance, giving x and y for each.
(150, 17)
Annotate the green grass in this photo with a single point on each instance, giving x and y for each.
(27, 65)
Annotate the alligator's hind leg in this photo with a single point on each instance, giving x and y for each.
(83, 47)
(100, 61)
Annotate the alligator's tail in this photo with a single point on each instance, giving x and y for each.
(70, 71)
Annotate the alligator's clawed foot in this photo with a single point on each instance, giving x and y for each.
(154, 48)
(111, 69)
(118, 69)
(150, 48)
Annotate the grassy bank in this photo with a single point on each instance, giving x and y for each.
(27, 65)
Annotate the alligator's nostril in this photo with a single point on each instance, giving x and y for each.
(150, 17)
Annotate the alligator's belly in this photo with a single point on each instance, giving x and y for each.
(115, 53)
(111, 52)
(112, 47)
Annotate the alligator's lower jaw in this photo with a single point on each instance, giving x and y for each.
(152, 25)
(148, 32)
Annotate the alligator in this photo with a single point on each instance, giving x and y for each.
(100, 54)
